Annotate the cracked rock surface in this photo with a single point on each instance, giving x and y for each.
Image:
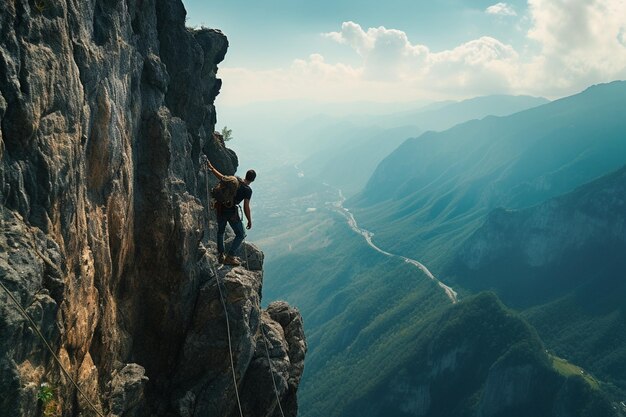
(106, 108)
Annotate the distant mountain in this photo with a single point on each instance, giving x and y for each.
(564, 263)
(444, 115)
(278, 124)
(378, 328)
(346, 157)
(349, 163)
(434, 190)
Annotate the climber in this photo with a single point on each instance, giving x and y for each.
(231, 216)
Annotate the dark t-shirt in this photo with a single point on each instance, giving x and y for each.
(244, 192)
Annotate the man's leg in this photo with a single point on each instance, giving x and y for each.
(221, 228)
(240, 234)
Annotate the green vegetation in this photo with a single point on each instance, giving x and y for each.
(48, 396)
(573, 292)
(46, 393)
(376, 327)
(40, 6)
(473, 358)
(227, 133)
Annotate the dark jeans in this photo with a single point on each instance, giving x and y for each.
(237, 225)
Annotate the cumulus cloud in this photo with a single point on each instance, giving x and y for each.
(311, 78)
(501, 9)
(481, 66)
(386, 52)
(581, 41)
(388, 55)
(570, 44)
(316, 66)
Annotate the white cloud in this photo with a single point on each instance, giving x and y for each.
(311, 78)
(570, 44)
(580, 41)
(386, 52)
(501, 9)
(317, 67)
(388, 55)
(481, 66)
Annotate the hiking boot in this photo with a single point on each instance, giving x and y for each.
(220, 258)
(231, 260)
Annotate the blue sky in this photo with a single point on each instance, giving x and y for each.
(414, 49)
(292, 29)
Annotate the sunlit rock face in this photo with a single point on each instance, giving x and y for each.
(106, 108)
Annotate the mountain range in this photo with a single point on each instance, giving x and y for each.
(438, 187)
(346, 155)
(496, 204)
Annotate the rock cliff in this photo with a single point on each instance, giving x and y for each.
(106, 108)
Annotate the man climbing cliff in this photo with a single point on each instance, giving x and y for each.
(230, 214)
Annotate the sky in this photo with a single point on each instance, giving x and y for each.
(413, 50)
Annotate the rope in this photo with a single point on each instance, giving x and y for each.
(43, 339)
(23, 312)
(230, 347)
(267, 352)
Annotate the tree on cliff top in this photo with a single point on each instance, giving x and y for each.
(227, 133)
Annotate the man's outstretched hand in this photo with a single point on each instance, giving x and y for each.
(249, 225)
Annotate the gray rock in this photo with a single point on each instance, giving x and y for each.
(127, 391)
(105, 111)
(24, 361)
(252, 256)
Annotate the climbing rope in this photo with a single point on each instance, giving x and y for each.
(43, 339)
(267, 352)
(230, 347)
(265, 342)
(36, 329)
(232, 366)
(219, 287)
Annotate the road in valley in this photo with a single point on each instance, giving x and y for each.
(367, 235)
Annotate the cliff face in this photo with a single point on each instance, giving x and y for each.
(106, 108)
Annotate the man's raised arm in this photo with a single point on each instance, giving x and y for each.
(215, 172)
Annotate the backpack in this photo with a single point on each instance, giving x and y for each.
(224, 192)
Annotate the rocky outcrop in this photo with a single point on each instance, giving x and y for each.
(106, 109)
